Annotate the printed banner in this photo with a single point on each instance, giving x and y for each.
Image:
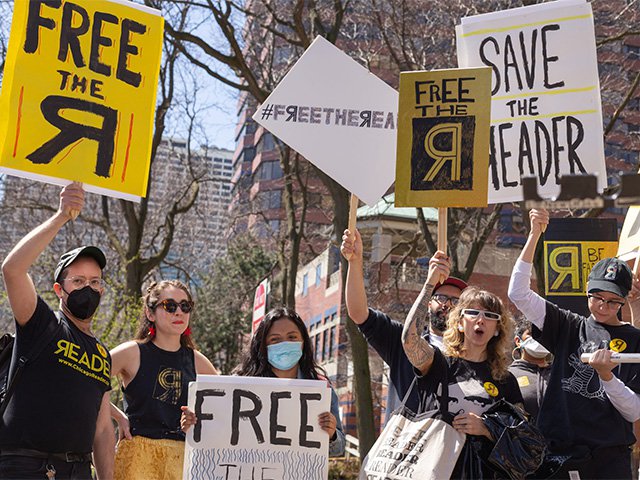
(257, 428)
(443, 138)
(569, 263)
(79, 93)
(572, 246)
(546, 117)
(339, 116)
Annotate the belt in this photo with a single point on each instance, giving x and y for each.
(69, 457)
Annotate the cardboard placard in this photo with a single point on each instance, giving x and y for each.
(260, 428)
(79, 94)
(546, 117)
(443, 138)
(339, 116)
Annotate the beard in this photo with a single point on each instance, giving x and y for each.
(438, 320)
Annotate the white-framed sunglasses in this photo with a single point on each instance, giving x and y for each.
(475, 313)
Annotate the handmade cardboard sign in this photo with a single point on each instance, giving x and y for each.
(78, 94)
(546, 117)
(443, 138)
(339, 116)
(257, 428)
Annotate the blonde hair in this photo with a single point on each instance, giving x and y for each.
(498, 346)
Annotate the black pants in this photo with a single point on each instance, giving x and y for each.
(18, 467)
(602, 463)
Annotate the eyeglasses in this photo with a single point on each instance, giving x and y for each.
(171, 306)
(473, 313)
(609, 303)
(442, 299)
(78, 282)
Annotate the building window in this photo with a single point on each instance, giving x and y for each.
(318, 275)
(305, 284)
(317, 346)
(332, 342)
(325, 345)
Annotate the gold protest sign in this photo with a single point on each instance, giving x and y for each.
(443, 138)
(79, 93)
(568, 264)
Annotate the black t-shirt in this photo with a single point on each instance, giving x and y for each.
(56, 402)
(472, 388)
(533, 381)
(154, 397)
(576, 411)
(385, 336)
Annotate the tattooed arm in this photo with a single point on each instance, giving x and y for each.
(417, 348)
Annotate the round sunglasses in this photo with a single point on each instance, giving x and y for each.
(171, 306)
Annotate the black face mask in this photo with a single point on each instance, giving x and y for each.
(83, 303)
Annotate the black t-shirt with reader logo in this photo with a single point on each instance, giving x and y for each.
(56, 402)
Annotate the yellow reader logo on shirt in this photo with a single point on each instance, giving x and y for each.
(617, 345)
(491, 389)
(523, 381)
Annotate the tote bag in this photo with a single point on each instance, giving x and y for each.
(415, 446)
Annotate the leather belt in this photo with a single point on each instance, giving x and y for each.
(69, 457)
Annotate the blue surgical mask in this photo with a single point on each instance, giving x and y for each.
(284, 355)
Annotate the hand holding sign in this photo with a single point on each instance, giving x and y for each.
(539, 218)
(351, 247)
(439, 268)
(71, 200)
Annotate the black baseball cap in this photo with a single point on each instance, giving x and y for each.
(610, 275)
(72, 255)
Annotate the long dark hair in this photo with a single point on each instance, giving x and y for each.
(255, 362)
(150, 301)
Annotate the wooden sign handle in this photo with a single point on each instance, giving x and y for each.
(353, 212)
(636, 265)
(442, 232)
(442, 229)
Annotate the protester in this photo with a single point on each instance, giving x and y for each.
(383, 333)
(589, 409)
(281, 347)
(474, 361)
(530, 366)
(155, 370)
(59, 412)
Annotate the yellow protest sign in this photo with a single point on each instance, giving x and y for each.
(568, 264)
(443, 138)
(79, 93)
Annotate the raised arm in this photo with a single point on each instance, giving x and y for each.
(354, 290)
(15, 268)
(417, 348)
(526, 300)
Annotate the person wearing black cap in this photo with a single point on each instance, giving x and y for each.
(588, 410)
(383, 333)
(59, 413)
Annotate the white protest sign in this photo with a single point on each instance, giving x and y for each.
(339, 116)
(257, 428)
(546, 117)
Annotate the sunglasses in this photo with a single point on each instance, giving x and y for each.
(473, 313)
(442, 299)
(171, 306)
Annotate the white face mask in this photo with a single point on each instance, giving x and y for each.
(533, 348)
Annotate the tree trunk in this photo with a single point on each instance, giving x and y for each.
(359, 348)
